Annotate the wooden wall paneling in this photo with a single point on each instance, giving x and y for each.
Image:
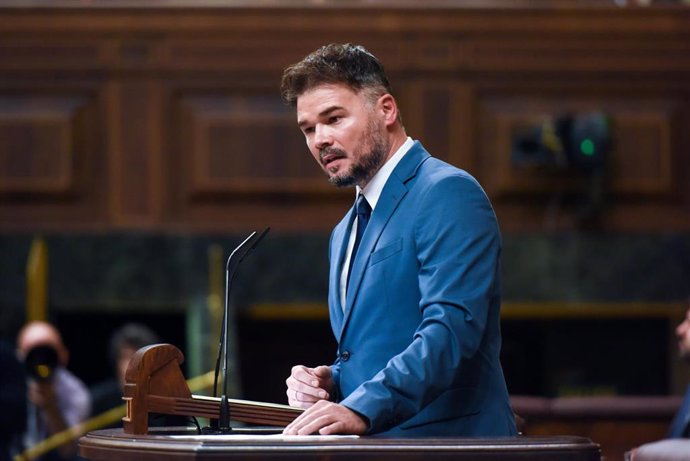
(410, 98)
(583, 50)
(37, 155)
(681, 174)
(442, 116)
(464, 130)
(644, 159)
(640, 153)
(680, 146)
(136, 160)
(456, 63)
(245, 143)
(26, 51)
(239, 54)
(51, 155)
(435, 53)
(642, 156)
(434, 105)
(239, 154)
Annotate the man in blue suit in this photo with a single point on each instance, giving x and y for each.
(680, 427)
(415, 283)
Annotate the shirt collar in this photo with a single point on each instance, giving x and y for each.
(373, 190)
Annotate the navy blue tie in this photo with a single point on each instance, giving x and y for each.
(363, 211)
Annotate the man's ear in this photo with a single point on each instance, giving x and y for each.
(388, 108)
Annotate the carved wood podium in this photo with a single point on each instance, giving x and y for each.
(162, 445)
(154, 384)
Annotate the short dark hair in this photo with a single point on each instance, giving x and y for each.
(133, 335)
(348, 64)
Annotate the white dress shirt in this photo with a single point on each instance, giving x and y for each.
(371, 192)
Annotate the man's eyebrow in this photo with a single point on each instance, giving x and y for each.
(324, 113)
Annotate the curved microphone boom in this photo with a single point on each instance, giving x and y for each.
(236, 257)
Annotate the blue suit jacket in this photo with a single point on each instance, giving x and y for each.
(419, 338)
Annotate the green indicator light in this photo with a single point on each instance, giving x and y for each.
(587, 147)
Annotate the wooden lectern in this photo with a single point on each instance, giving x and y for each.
(159, 445)
(154, 383)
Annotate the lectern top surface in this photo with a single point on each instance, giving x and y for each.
(182, 444)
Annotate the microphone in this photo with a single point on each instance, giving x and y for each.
(222, 425)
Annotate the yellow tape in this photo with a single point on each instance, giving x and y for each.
(37, 281)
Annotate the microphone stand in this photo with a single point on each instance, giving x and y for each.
(222, 424)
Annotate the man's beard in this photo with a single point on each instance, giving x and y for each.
(367, 165)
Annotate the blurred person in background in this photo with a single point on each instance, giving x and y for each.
(123, 344)
(57, 399)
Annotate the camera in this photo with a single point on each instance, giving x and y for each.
(40, 363)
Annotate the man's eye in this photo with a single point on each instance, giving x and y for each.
(334, 119)
(308, 130)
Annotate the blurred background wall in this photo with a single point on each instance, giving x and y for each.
(143, 140)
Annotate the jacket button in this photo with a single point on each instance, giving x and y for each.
(345, 356)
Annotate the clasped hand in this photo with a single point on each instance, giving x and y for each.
(310, 388)
(306, 386)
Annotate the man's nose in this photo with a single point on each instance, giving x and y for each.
(322, 137)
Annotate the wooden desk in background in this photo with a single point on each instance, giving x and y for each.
(616, 423)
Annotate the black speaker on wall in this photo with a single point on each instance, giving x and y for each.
(574, 142)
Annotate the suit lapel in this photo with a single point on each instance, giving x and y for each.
(393, 192)
(339, 244)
